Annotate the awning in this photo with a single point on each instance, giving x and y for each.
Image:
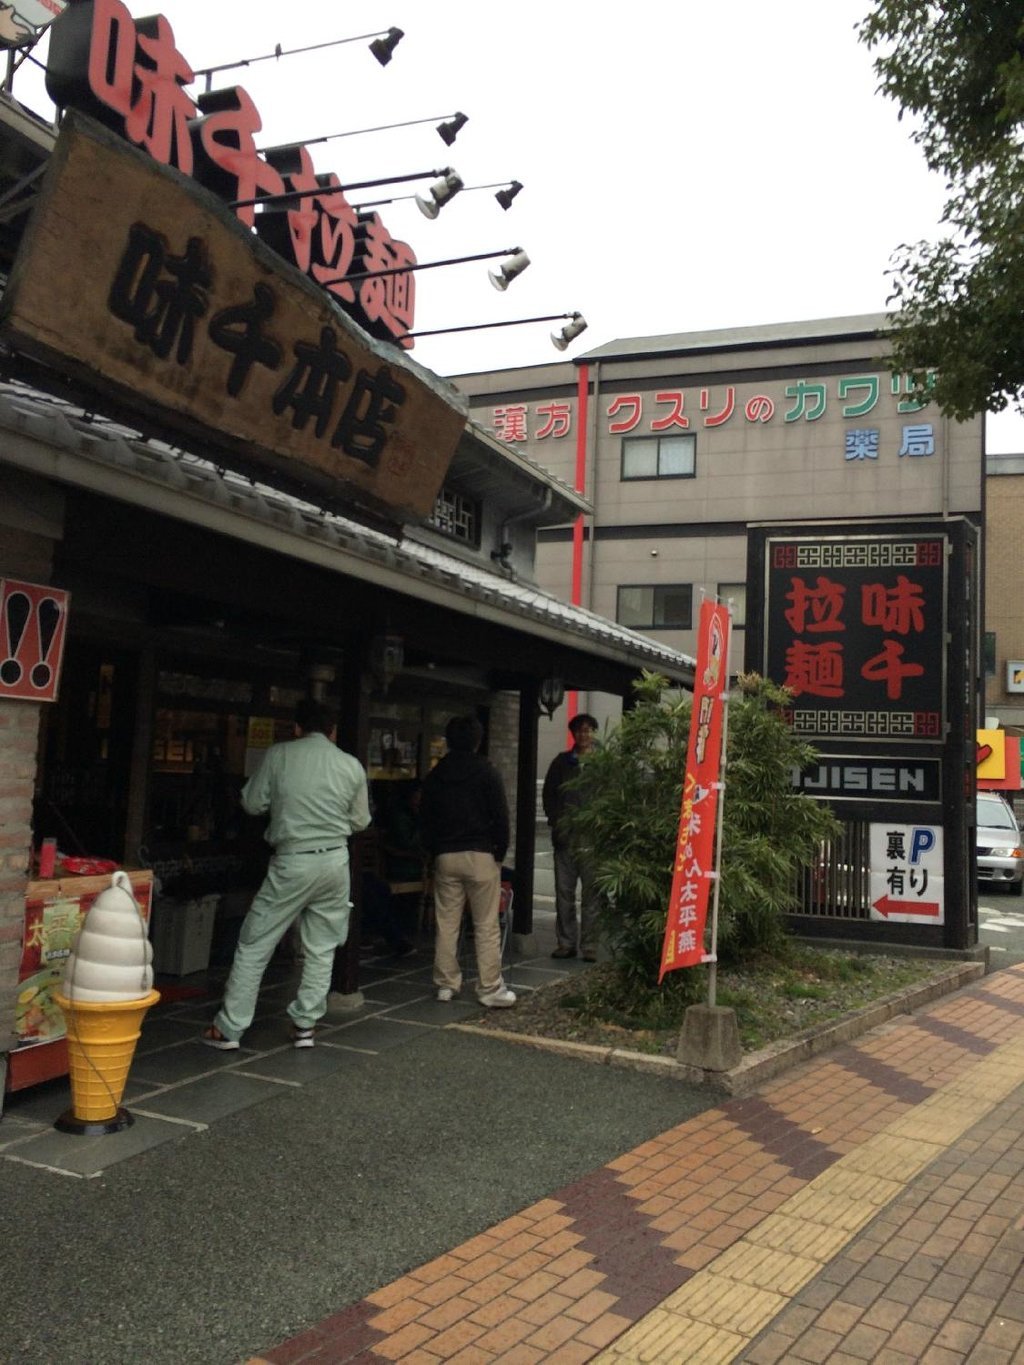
(56, 440)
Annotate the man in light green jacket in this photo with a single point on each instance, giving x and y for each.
(317, 796)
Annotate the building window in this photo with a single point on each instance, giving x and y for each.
(655, 606)
(658, 457)
(457, 516)
(736, 593)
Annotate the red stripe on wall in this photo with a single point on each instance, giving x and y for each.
(576, 587)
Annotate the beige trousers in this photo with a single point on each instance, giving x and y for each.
(460, 878)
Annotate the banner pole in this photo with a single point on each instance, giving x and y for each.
(713, 955)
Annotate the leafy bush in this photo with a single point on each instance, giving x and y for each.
(628, 824)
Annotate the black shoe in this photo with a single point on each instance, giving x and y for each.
(564, 952)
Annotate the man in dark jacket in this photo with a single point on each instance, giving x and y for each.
(465, 828)
(569, 867)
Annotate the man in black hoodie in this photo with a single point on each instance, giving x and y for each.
(465, 828)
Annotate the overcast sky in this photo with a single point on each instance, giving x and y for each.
(685, 166)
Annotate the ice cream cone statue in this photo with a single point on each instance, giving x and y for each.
(107, 989)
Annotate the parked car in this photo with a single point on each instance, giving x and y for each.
(998, 839)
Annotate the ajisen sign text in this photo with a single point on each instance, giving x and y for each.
(129, 75)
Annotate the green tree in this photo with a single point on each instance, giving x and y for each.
(629, 821)
(957, 67)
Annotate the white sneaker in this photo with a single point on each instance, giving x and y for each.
(445, 994)
(500, 999)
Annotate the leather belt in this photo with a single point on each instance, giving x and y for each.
(335, 848)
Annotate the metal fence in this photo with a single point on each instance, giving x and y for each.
(838, 885)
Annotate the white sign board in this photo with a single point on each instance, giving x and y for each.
(907, 881)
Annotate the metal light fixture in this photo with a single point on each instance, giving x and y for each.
(505, 196)
(571, 330)
(440, 192)
(384, 48)
(292, 196)
(356, 276)
(550, 696)
(447, 130)
(509, 270)
(450, 130)
(510, 322)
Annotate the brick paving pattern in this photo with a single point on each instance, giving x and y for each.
(861, 1207)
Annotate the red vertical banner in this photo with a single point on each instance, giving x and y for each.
(695, 843)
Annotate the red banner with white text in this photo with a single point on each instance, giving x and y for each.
(695, 845)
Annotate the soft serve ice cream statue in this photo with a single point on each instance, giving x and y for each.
(112, 957)
(107, 989)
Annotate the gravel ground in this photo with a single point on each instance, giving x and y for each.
(773, 1000)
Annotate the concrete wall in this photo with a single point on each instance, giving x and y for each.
(1004, 581)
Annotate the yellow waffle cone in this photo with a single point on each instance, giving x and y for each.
(101, 1042)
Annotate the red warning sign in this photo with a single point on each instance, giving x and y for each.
(33, 619)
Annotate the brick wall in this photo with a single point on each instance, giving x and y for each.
(30, 519)
(503, 749)
(19, 737)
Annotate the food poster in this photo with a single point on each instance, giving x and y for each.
(51, 923)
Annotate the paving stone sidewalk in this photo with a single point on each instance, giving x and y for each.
(869, 1205)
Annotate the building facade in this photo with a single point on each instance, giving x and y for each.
(682, 442)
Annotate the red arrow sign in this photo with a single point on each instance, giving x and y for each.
(886, 907)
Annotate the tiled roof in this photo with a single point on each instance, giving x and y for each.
(93, 452)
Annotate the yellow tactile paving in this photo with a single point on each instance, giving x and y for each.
(719, 1311)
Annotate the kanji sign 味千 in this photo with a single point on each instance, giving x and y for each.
(129, 75)
(147, 291)
(855, 628)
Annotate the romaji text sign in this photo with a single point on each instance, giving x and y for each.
(907, 873)
(855, 627)
(694, 864)
(150, 290)
(33, 623)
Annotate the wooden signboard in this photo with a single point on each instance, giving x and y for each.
(144, 287)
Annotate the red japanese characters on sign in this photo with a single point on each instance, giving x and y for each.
(130, 75)
(694, 867)
(33, 619)
(855, 631)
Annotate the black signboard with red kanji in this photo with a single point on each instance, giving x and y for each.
(873, 629)
(856, 630)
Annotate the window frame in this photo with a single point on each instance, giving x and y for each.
(723, 596)
(656, 441)
(655, 589)
(462, 500)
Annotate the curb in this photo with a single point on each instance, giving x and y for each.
(760, 1066)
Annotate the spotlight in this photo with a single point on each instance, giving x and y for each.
(505, 196)
(440, 192)
(384, 48)
(508, 270)
(569, 332)
(450, 130)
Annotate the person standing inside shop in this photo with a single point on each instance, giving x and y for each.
(570, 867)
(317, 796)
(464, 826)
